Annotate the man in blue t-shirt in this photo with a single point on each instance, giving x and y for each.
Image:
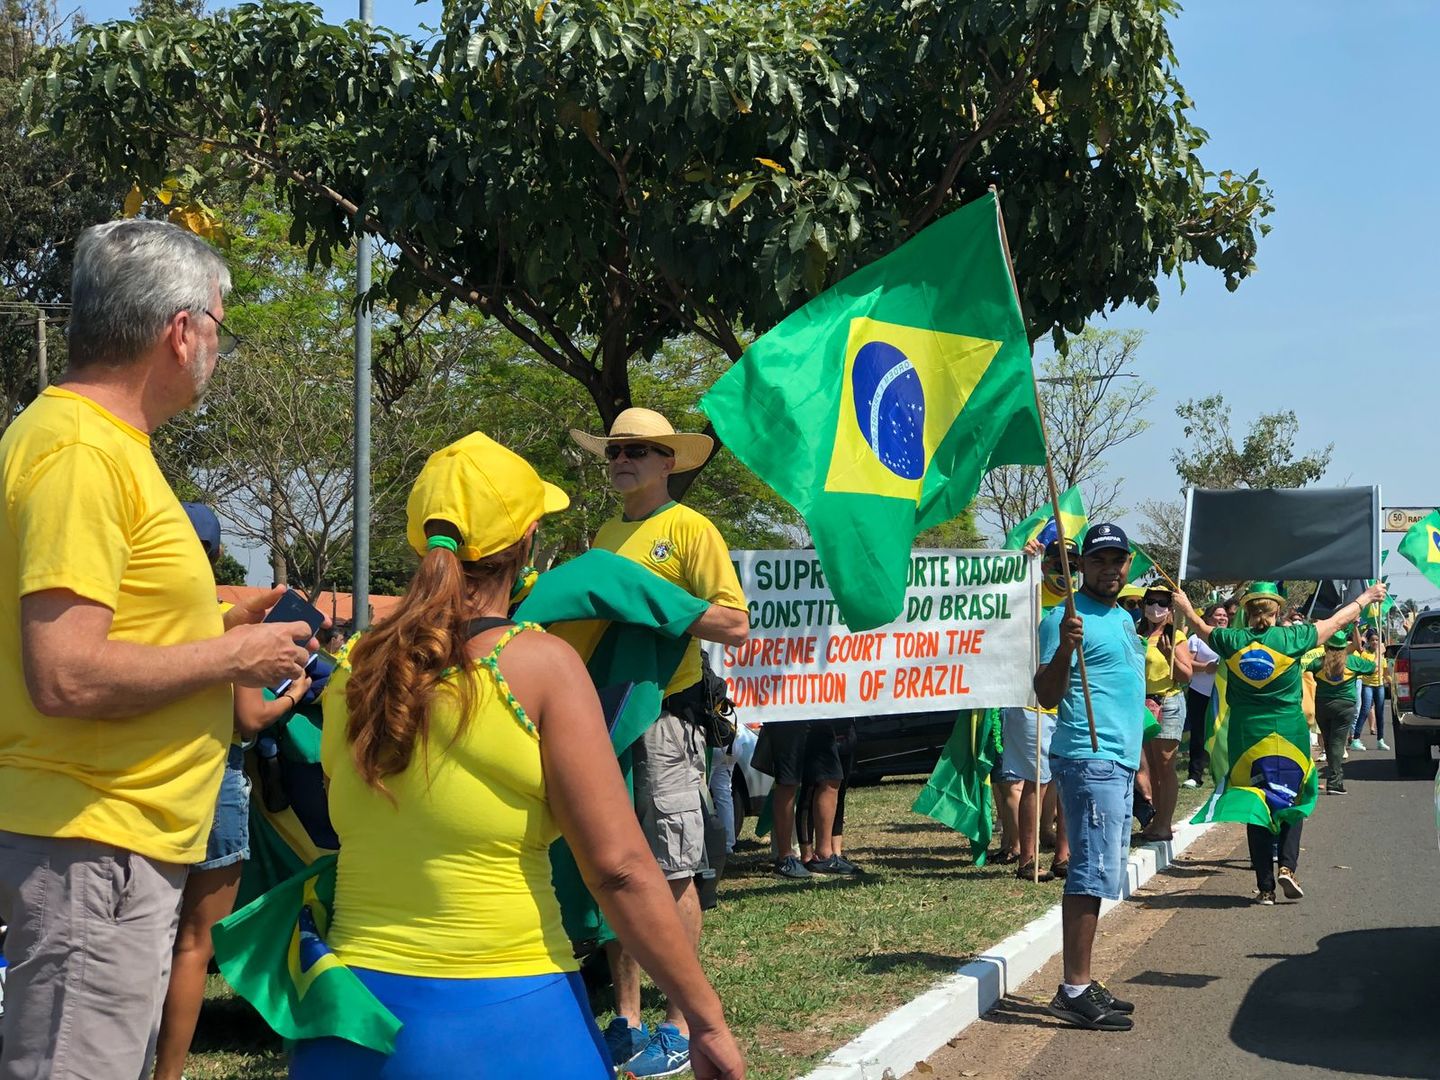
(1096, 781)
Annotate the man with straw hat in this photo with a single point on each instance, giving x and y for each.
(642, 450)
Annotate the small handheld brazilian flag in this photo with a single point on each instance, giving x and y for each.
(1421, 545)
(1040, 525)
(876, 409)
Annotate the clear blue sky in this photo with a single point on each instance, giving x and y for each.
(1336, 110)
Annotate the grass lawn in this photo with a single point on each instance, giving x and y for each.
(802, 967)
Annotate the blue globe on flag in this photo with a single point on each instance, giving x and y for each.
(1257, 665)
(890, 408)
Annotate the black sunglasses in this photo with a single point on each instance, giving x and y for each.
(634, 451)
(226, 340)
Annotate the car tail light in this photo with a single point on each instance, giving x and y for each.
(1402, 682)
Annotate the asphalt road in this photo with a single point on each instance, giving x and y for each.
(1344, 982)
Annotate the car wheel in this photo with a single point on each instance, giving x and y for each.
(1412, 755)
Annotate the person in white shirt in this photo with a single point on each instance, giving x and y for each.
(1197, 697)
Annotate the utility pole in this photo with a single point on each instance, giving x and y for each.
(360, 588)
(40, 348)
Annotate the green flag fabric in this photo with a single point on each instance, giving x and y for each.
(876, 409)
(1040, 525)
(1260, 746)
(1421, 545)
(958, 793)
(273, 954)
(629, 627)
(1141, 565)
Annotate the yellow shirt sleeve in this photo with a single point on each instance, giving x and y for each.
(709, 573)
(74, 517)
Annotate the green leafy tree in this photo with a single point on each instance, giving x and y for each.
(46, 197)
(1264, 458)
(603, 176)
(229, 570)
(1093, 401)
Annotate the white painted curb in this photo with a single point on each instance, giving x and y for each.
(918, 1029)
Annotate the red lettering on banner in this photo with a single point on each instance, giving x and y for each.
(965, 641)
(932, 680)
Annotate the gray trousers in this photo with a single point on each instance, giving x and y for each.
(91, 932)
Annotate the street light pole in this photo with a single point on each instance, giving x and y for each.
(360, 585)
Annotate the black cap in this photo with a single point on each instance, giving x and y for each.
(1052, 549)
(1104, 536)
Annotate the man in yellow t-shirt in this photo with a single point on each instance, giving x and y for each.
(115, 661)
(685, 549)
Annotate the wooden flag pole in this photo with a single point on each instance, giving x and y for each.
(1059, 522)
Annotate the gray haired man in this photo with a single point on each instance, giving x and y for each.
(115, 661)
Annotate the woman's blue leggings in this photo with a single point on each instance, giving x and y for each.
(534, 1025)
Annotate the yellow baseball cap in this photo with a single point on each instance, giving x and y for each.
(1131, 590)
(488, 492)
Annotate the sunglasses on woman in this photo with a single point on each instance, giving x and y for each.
(634, 451)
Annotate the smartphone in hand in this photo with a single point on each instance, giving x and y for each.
(292, 607)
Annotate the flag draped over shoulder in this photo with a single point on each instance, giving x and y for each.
(1261, 765)
(273, 954)
(1421, 545)
(958, 793)
(628, 625)
(876, 409)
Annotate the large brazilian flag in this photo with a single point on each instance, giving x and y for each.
(876, 409)
(1260, 741)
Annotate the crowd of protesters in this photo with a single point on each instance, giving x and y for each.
(459, 745)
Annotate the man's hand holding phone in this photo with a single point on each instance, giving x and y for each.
(272, 644)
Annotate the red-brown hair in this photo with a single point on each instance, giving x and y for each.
(398, 668)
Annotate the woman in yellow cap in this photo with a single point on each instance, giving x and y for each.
(458, 747)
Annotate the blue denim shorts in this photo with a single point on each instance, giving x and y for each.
(229, 841)
(1097, 796)
(1019, 730)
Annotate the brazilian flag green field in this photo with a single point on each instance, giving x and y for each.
(876, 409)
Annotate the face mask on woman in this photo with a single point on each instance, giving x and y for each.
(1157, 613)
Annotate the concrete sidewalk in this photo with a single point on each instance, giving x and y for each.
(918, 1029)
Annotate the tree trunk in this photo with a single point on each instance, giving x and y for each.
(278, 568)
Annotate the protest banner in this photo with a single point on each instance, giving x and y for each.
(965, 639)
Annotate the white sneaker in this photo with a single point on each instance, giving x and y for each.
(1382, 745)
(1191, 782)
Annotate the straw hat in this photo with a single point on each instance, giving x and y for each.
(646, 425)
(488, 492)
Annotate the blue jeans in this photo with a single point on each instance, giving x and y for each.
(1095, 794)
(1371, 695)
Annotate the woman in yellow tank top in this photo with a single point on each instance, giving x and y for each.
(458, 748)
(1168, 664)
